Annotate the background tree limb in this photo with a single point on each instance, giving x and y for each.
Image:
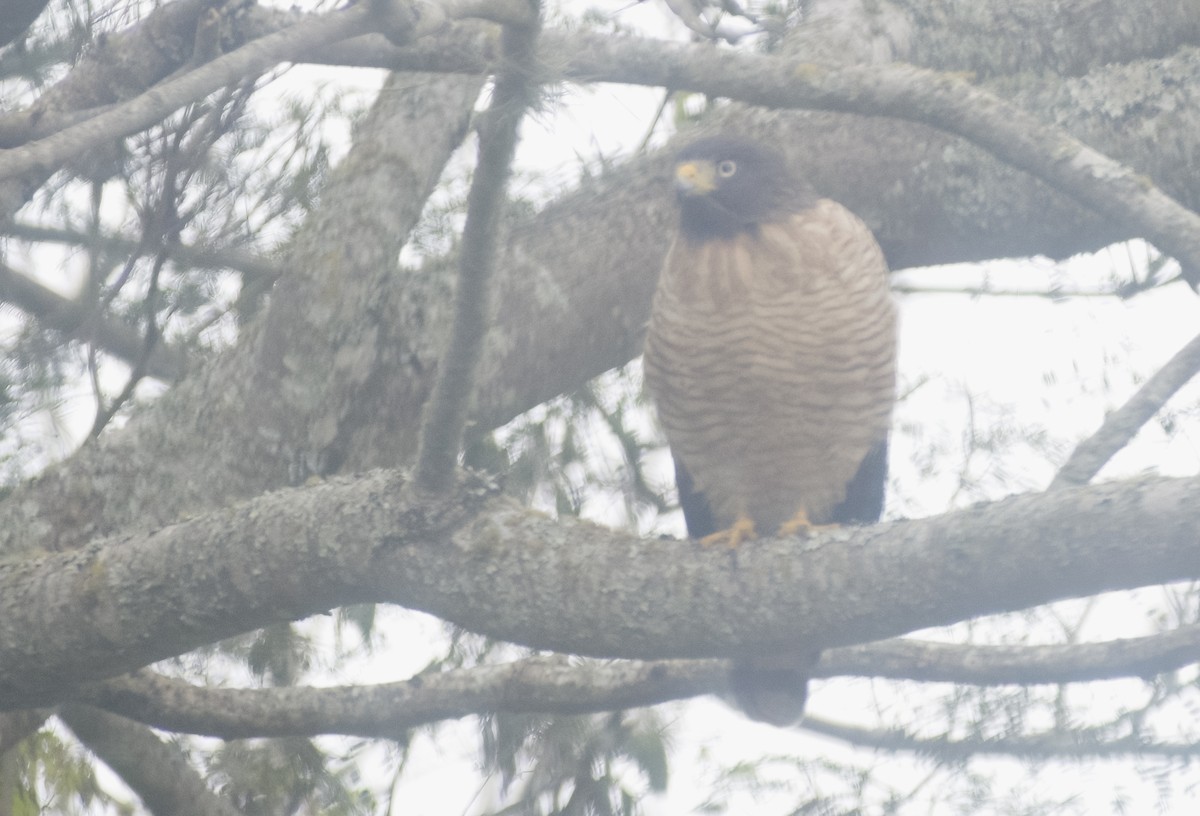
(557, 685)
(157, 772)
(74, 319)
(1122, 425)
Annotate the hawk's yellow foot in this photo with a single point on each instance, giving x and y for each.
(799, 524)
(741, 530)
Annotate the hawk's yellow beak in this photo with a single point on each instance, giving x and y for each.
(695, 178)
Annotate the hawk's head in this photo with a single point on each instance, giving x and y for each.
(728, 185)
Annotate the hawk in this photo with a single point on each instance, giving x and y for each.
(770, 357)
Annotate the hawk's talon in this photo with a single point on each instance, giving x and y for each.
(799, 524)
(741, 530)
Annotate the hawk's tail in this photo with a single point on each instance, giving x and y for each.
(770, 693)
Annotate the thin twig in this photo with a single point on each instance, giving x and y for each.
(248, 263)
(71, 318)
(1058, 745)
(978, 292)
(986, 665)
(161, 100)
(445, 418)
(149, 343)
(1123, 424)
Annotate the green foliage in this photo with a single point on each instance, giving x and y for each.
(35, 368)
(587, 449)
(293, 776)
(55, 776)
(596, 765)
(278, 654)
(134, 222)
(361, 619)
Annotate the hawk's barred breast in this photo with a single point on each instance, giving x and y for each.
(771, 359)
(771, 356)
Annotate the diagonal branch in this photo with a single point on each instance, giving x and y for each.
(161, 100)
(157, 772)
(251, 265)
(401, 20)
(445, 416)
(18, 16)
(557, 685)
(1122, 425)
(502, 570)
(134, 58)
(76, 320)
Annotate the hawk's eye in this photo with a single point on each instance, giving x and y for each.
(726, 168)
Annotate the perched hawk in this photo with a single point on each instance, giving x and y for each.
(771, 358)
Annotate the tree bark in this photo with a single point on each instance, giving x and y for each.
(511, 573)
(157, 772)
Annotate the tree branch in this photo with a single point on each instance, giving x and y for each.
(507, 572)
(157, 772)
(251, 265)
(1052, 745)
(18, 16)
(445, 416)
(907, 659)
(1122, 425)
(122, 63)
(988, 39)
(76, 320)
(574, 290)
(916, 94)
(906, 92)
(540, 684)
(556, 685)
(161, 100)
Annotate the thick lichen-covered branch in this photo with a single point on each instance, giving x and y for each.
(503, 571)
